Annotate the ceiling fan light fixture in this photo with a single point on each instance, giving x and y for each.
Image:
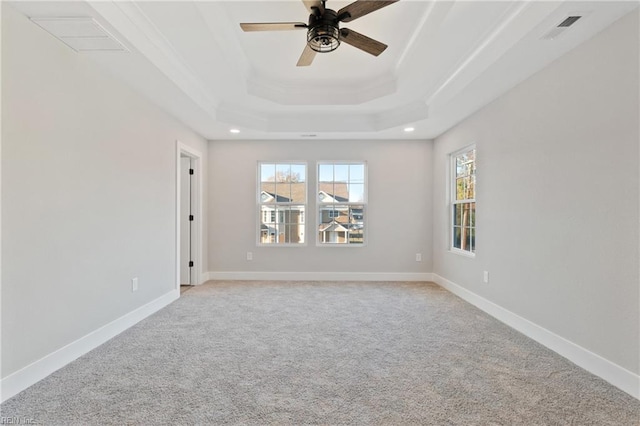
(324, 38)
(323, 34)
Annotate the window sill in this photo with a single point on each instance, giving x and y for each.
(462, 253)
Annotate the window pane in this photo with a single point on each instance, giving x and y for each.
(472, 233)
(457, 214)
(283, 173)
(356, 193)
(356, 173)
(298, 173)
(341, 172)
(325, 173)
(456, 236)
(298, 192)
(460, 187)
(465, 239)
(472, 214)
(267, 172)
(267, 192)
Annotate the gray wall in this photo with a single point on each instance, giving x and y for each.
(399, 210)
(557, 207)
(88, 195)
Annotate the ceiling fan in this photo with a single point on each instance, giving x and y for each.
(323, 31)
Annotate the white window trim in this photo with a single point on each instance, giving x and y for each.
(452, 201)
(259, 204)
(364, 204)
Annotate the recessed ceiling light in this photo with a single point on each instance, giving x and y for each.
(234, 130)
(409, 129)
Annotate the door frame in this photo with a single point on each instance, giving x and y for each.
(183, 150)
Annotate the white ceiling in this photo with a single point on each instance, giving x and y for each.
(445, 60)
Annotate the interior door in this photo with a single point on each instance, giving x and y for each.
(185, 223)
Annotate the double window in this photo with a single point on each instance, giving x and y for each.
(282, 201)
(463, 200)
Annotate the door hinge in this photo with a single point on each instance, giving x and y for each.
(190, 171)
(190, 218)
(191, 264)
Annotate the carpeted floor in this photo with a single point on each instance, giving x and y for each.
(330, 353)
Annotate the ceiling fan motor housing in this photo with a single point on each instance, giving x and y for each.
(324, 34)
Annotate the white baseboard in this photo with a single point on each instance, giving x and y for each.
(594, 363)
(320, 276)
(38, 370)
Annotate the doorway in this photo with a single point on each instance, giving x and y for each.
(186, 221)
(188, 217)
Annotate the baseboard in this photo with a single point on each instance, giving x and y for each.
(594, 363)
(38, 370)
(320, 276)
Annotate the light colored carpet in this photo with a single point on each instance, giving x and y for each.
(330, 353)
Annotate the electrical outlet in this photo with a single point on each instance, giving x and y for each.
(418, 257)
(134, 284)
(249, 255)
(485, 276)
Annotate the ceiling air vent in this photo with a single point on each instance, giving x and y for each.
(569, 21)
(559, 29)
(82, 34)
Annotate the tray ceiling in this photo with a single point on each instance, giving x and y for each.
(445, 60)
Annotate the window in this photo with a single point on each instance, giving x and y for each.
(341, 203)
(282, 195)
(463, 200)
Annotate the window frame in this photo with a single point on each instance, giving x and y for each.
(272, 214)
(333, 207)
(453, 201)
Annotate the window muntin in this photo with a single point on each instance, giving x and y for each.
(282, 199)
(463, 200)
(341, 203)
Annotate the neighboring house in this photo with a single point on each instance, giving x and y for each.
(340, 222)
(279, 223)
(282, 214)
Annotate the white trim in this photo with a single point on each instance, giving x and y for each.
(319, 276)
(460, 252)
(182, 149)
(594, 363)
(38, 370)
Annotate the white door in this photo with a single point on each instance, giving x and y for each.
(185, 223)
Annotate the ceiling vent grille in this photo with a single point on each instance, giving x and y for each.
(559, 29)
(82, 34)
(569, 21)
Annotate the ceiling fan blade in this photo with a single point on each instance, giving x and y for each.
(314, 4)
(307, 56)
(273, 26)
(360, 8)
(362, 42)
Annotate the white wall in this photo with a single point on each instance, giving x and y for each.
(557, 191)
(399, 211)
(88, 195)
